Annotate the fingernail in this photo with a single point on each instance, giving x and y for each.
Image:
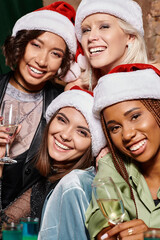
(104, 236)
(7, 129)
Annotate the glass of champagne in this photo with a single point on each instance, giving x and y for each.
(109, 200)
(10, 111)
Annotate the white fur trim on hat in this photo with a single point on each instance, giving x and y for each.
(83, 102)
(127, 10)
(50, 21)
(122, 86)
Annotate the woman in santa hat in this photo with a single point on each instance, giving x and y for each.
(128, 102)
(40, 49)
(71, 140)
(111, 33)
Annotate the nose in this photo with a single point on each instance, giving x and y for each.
(93, 35)
(66, 135)
(128, 132)
(41, 59)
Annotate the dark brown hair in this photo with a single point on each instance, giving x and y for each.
(119, 158)
(14, 49)
(55, 170)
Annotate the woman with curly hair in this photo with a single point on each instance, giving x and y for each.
(39, 50)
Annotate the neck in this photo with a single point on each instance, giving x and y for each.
(18, 85)
(150, 169)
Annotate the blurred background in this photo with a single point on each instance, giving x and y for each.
(11, 10)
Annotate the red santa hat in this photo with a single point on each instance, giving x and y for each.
(82, 100)
(57, 18)
(126, 82)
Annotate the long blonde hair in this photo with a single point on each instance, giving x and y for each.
(136, 53)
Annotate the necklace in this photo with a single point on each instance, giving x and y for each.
(27, 90)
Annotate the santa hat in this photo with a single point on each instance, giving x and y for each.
(126, 82)
(78, 65)
(127, 10)
(82, 100)
(57, 18)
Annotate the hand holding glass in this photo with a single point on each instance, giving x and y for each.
(109, 200)
(10, 112)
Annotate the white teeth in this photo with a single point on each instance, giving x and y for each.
(61, 145)
(98, 49)
(35, 70)
(137, 146)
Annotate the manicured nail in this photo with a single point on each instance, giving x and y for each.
(104, 236)
(7, 129)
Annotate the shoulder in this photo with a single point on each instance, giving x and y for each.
(106, 167)
(77, 178)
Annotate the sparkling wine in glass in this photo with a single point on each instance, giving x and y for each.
(10, 112)
(109, 200)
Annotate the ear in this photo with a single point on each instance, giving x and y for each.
(131, 39)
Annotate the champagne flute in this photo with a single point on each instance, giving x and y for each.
(109, 200)
(10, 111)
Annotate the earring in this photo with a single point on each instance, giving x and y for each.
(129, 45)
(59, 71)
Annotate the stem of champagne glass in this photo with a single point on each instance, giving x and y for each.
(7, 150)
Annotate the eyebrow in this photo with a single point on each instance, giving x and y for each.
(69, 121)
(125, 114)
(59, 113)
(131, 110)
(58, 49)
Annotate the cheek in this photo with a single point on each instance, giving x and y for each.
(82, 144)
(120, 38)
(117, 140)
(54, 65)
(84, 44)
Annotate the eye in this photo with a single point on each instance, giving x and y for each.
(83, 133)
(104, 26)
(57, 54)
(135, 116)
(114, 129)
(33, 43)
(85, 30)
(61, 119)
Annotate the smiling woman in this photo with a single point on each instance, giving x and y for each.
(128, 102)
(69, 142)
(38, 51)
(111, 33)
